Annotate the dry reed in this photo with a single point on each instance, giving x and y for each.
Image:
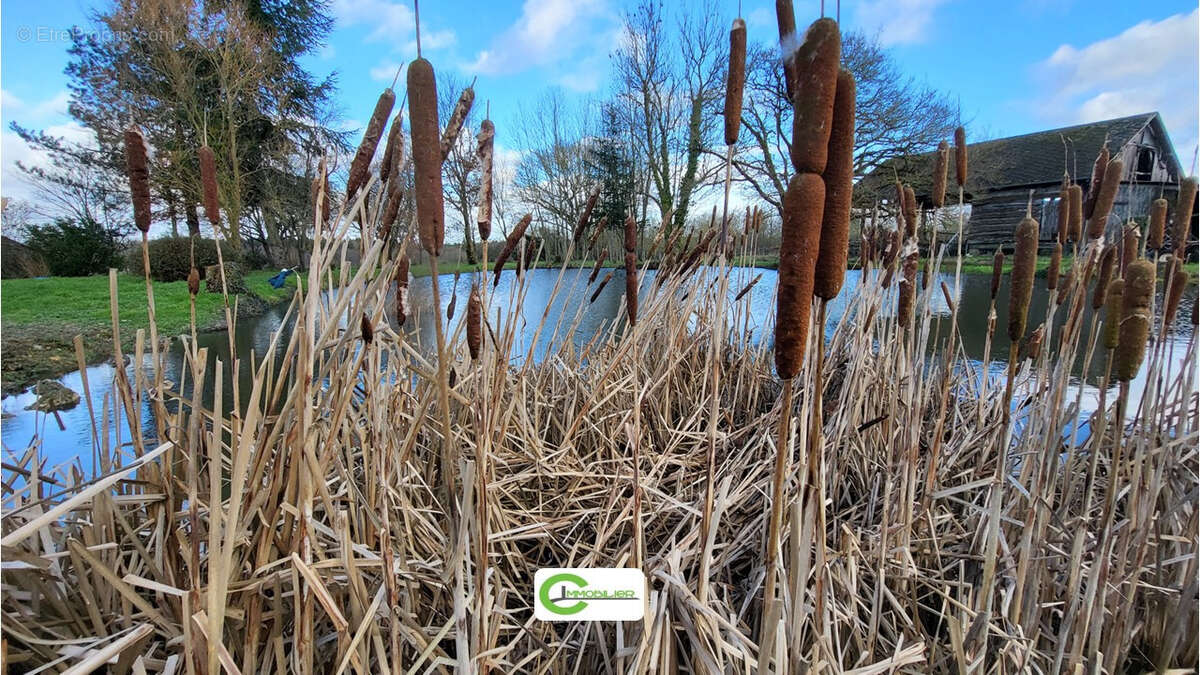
(817, 59)
(1052, 272)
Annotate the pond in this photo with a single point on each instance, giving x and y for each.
(73, 439)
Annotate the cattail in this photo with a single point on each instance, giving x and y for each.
(487, 136)
(1158, 224)
(510, 245)
(1105, 197)
(1098, 170)
(746, 289)
(941, 168)
(1021, 289)
(1064, 209)
(208, 181)
(1183, 213)
(453, 299)
(457, 118)
(910, 212)
(1135, 319)
(361, 164)
(1111, 330)
(797, 259)
(529, 258)
(736, 80)
(997, 272)
(1129, 248)
(368, 332)
(189, 214)
(596, 268)
(1108, 259)
(319, 194)
(474, 322)
(839, 185)
(908, 283)
(1075, 213)
(1034, 344)
(960, 156)
(194, 282)
(949, 300)
(785, 16)
(601, 227)
(401, 290)
(901, 208)
(698, 251)
(1055, 265)
(631, 287)
(426, 155)
(812, 119)
(395, 140)
(1065, 284)
(1179, 280)
(391, 208)
(586, 216)
(137, 169)
(600, 288)
(630, 234)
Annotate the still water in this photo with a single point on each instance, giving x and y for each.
(73, 441)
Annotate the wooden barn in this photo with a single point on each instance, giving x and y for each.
(1004, 173)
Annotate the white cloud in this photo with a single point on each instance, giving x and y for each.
(1149, 66)
(391, 20)
(11, 105)
(546, 31)
(897, 21)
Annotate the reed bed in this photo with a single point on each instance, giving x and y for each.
(377, 505)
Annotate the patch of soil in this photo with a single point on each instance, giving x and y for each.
(32, 353)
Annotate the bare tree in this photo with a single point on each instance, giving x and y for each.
(669, 85)
(896, 115)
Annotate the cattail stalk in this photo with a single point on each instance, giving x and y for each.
(1107, 193)
(960, 156)
(402, 269)
(457, 118)
(474, 323)
(1024, 264)
(797, 262)
(1129, 245)
(395, 142)
(1098, 170)
(1064, 209)
(997, 272)
(812, 119)
(510, 245)
(785, 16)
(586, 216)
(941, 168)
(908, 284)
(426, 155)
(834, 249)
(1108, 260)
(1184, 207)
(1075, 213)
(1178, 282)
(1135, 319)
(600, 288)
(910, 212)
(361, 164)
(1158, 224)
(137, 169)
(483, 218)
(631, 276)
(736, 81)
(1111, 330)
(597, 267)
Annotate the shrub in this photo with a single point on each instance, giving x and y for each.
(75, 248)
(170, 258)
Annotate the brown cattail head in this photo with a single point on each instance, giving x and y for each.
(736, 81)
(193, 282)
(839, 185)
(1055, 265)
(1105, 197)
(1111, 330)
(1021, 289)
(960, 156)
(586, 216)
(510, 245)
(191, 216)
(1184, 207)
(801, 237)
(1108, 260)
(361, 164)
(1135, 319)
(786, 18)
(1178, 282)
(746, 289)
(595, 294)
(910, 212)
(1074, 213)
(817, 62)
(1129, 245)
(1098, 170)
(402, 265)
(487, 136)
(997, 271)
(368, 331)
(208, 181)
(457, 118)
(1034, 344)
(1158, 224)
(137, 169)
(395, 143)
(597, 267)
(450, 307)
(900, 208)
(391, 208)
(941, 168)
(601, 227)
(427, 155)
(474, 323)
(631, 287)
(1064, 209)
(532, 246)
(907, 292)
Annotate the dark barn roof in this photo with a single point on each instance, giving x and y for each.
(1021, 161)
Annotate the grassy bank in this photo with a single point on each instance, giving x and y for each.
(41, 318)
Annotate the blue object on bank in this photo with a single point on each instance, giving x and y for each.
(277, 280)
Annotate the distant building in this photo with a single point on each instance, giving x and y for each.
(1003, 173)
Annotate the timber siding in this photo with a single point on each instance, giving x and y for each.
(1005, 174)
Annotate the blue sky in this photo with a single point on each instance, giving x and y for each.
(1014, 66)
